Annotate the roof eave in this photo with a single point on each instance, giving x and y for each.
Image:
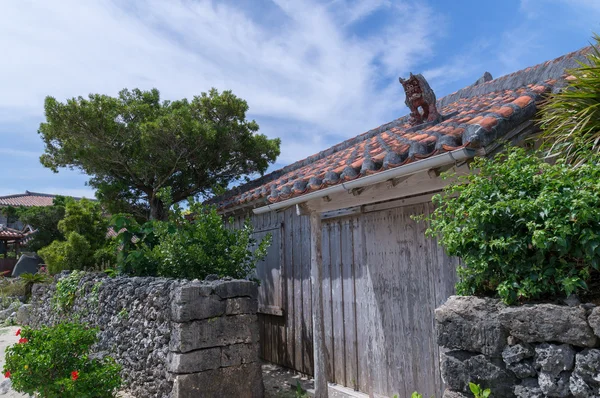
(401, 171)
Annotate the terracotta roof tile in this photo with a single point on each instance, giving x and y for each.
(474, 116)
(28, 199)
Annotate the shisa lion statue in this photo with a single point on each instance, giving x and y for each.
(420, 95)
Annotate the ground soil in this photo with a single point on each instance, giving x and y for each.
(282, 383)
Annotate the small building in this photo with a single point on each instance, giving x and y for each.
(344, 217)
(11, 240)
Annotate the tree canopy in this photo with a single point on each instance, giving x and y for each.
(135, 145)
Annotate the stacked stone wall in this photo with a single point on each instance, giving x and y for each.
(530, 351)
(174, 338)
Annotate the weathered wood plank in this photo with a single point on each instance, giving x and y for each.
(317, 313)
(337, 306)
(307, 318)
(430, 249)
(349, 301)
(377, 234)
(362, 308)
(327, 307)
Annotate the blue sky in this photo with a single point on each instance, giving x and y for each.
(314, 73)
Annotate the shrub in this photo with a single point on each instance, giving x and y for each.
(85, 244)
(188, 246)
(72, 254)
(525, 229)
(55, 362)
(66, 289)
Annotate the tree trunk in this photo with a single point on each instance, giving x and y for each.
(157, 209)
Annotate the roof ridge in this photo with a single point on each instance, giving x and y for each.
(27, 193)
(532, 74)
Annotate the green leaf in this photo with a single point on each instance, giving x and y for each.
(475, 389)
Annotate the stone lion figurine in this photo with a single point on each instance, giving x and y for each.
(420, 99)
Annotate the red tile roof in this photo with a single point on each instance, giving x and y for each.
(475, 117)
(10, 234)
(27, 199)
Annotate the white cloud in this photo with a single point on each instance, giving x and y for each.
(306, 69)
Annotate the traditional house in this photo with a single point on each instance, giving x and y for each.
(343, 218)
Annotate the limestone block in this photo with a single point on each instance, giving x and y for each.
(214, 332)
(471, 324)
(549, 322)
(585, 380)
(244, 381)
(200, 307)
(553, 359)
(194, 361)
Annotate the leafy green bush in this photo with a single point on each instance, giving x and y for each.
(54, 362)
(525, 229)
(188, 246)
(85, 244)
(66, 289)
(74, 253)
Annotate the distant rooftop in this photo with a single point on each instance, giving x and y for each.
(28, 199)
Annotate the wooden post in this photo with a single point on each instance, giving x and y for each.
(316, 275)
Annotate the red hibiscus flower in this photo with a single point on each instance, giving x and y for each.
(18, 332)
(74, 375)
(7, 374)
(23, 340)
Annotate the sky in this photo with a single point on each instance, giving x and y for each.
(314, 73)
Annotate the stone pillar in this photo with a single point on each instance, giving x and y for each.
(214, 344)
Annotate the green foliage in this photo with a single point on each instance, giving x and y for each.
(570, 119)
(28, 280)
(85, 218)
(111, 272)
(94, 296)
(134, 145)
(72, 254)
(45, 220)
(66, 289)
(10, 288)
(54, 362)
(188, 247)
(524, 229)
(479, 392)
(300, 392)
(414, 395)
(84, 227)
(123, 314)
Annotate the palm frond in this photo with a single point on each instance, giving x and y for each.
(570, 119)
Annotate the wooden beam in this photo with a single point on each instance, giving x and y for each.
(416, 184)
(316, 275)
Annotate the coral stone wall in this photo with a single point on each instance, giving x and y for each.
(173, 338)
(531, 351)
